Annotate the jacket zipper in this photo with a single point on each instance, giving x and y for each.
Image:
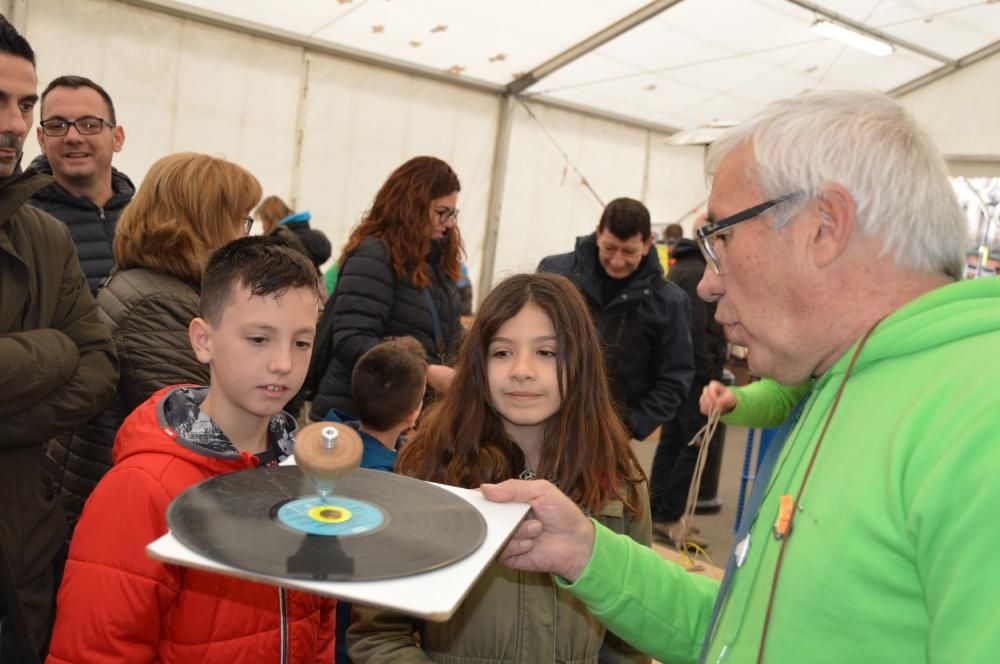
(282, 610)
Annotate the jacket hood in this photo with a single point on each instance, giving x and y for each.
(121, 187)
(303, 217)
(942, 316)
(685, 248)
(17, 188)
(189, 433)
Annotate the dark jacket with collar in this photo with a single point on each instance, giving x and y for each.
(371, 303)
(58, 369)
(92, 227)
(646, 330)
(687, 267)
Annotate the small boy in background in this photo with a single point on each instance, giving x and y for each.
(259, 301)
(387, 386)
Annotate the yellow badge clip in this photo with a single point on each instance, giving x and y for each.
(783, 524)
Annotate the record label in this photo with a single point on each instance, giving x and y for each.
(378, 525)
(336, 516)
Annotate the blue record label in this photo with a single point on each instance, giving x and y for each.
(337, 515)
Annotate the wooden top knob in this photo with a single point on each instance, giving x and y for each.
(326, 451)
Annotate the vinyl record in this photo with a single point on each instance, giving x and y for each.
(377, 525)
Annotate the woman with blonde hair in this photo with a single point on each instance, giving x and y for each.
(397, 277)
(188, 205)
(277, 219)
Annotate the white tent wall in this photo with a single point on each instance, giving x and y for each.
(546, 203)
(361, 122)
(180, 84)
(676, 183)
(961, 112)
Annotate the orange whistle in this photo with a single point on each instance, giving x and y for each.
(783, 524)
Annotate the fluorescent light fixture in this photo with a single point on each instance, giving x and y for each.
(703, 135)
(853, 38)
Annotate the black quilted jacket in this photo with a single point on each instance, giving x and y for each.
(372, 303)
(92, 228)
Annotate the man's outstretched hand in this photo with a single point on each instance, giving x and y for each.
(556, 537)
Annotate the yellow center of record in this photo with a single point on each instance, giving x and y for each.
(329, 514)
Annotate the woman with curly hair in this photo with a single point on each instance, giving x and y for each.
(397, 278)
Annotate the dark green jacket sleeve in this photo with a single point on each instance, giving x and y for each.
(34, 363)
(92, 384)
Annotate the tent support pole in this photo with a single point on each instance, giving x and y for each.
(501, 151)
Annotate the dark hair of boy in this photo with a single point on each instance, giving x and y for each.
(261, 264)
(624, 217)
(388, 383)
(12, 43)
(77, 82)
(672, 233)
(461, 439)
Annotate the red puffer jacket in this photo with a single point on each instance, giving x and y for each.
(118, 605)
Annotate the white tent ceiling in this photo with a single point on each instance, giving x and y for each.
(675, 63)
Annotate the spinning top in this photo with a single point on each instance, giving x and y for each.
(325, 452)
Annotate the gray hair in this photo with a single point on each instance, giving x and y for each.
(869, 144)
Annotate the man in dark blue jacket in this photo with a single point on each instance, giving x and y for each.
(643, 320)
(78, 136)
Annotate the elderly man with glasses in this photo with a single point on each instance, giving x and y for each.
(78, 136)
(835, 247)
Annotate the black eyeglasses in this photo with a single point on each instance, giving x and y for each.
(705, 232)
(247, 225)
(88, 125)
(446, 214)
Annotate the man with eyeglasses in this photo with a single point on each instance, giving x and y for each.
(835, 253)
(78, 136)
(642, 318)
(58, 368)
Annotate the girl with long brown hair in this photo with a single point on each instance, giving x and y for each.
(529, 399)
(397, 276)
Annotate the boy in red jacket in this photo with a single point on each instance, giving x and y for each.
(259, 304)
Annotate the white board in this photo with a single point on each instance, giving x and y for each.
(433, 595)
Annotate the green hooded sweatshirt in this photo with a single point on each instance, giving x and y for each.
(892, 554)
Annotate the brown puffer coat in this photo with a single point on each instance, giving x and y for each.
(148, 313)
(57, 370)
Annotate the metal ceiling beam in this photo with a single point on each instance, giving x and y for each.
(871, 32)
(581, 49)
(941, 72)
(610, 116)
(184, 11)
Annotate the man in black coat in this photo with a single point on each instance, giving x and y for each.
(642, 318)
(674, 462)
(78, 136)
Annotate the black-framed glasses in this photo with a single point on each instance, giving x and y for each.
(705, 232)
(87, 125)
(247, 225)
(446, 214)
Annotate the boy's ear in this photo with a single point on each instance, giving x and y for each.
(200, 334)
(412, 418)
